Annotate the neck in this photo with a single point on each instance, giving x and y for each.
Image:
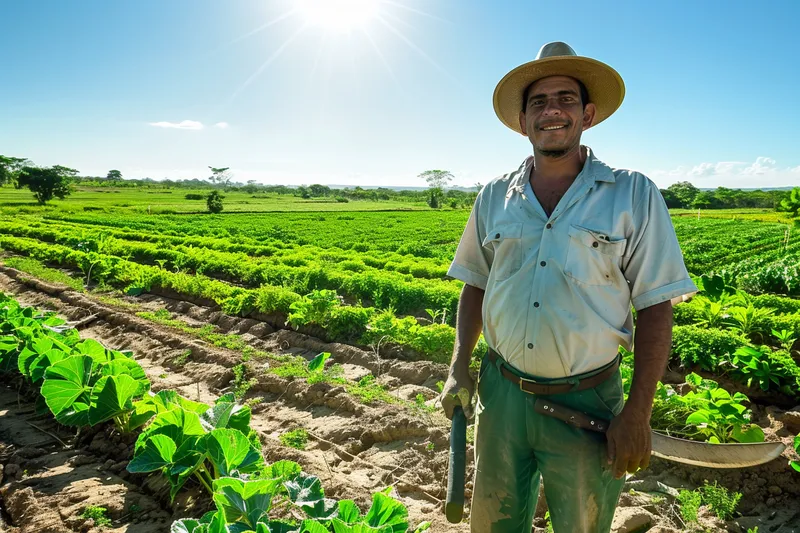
(566, 166)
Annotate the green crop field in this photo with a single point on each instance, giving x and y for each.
(371, 274)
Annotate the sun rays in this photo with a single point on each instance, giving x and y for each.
(341, 24)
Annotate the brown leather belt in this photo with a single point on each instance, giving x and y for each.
(534, 387)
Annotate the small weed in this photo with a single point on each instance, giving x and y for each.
(430, 446)
(296, 438)
(721, 501)
(367, 390)
(549, 522)
(163, 314)
(752, 530)
(240, 382)
(252, 402)
(690, 503)
(98, 514)
(182, 358)
(25, 473)
(163, 375)
(419, 403)
(440, 385)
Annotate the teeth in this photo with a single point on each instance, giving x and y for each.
(548, 128)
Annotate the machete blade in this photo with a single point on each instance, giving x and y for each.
(714, 455)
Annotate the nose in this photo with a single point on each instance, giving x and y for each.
(551, 108)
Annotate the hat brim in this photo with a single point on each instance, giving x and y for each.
(604, 84)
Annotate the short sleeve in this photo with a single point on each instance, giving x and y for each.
(654, 266)
(472, 261)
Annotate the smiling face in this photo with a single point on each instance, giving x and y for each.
(555, 116)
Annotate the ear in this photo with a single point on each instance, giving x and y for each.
(588, 116)
(522, 124)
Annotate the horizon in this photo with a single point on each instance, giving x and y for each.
(376, 92)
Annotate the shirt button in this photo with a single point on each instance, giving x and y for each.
(543, 263)
(497, 236)
(536, 304)
(595, 245)
(530, 346)
(548, 226)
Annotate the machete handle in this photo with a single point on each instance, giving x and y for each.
(570, 416)
(454, 506)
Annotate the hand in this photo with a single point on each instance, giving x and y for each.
(629, 443)
(457, 390)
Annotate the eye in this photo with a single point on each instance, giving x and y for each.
(568, 99)
(537, 102)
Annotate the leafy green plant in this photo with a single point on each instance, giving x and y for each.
(796, 464)
(296, 438)
(690, 502)
(757, 366)
(720, 500)
(98, 514)
(786, 337)
(241, 383)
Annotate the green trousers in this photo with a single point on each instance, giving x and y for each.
(515, 447)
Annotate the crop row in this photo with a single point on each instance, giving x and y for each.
(84, 384)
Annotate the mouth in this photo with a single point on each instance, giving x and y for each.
(553, 127)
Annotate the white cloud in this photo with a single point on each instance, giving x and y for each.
(222, 125)
(183, 125)
(763, 172)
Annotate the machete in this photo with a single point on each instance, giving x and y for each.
(673, 449)
(454, 506)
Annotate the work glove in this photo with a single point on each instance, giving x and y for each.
(458, 391)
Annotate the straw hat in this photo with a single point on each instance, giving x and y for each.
(604, 84)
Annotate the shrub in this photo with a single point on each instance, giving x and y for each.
(694, 345)
(348, 323)
(214, 202)
(194, 196)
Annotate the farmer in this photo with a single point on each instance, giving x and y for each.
(553, 256)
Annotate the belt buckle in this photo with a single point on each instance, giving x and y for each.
(524, 380)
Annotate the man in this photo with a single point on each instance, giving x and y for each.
(552, 257)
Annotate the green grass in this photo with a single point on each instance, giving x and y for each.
(39, 270)
(296, 438)
(98, 514)
(139, 200)
(231, 341)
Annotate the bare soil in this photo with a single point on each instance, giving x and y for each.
(355, 448)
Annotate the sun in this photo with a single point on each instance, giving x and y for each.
(338, 15)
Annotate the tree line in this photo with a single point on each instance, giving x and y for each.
(57, 181)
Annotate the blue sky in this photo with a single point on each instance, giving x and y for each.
(277, 93)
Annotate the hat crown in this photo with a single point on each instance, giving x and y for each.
(555, 49)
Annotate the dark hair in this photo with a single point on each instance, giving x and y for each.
(581, 87)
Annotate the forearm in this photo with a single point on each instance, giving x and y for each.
(469, 323)
(652, 342)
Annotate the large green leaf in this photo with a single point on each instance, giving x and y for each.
(284, 470)
(187, 460)
(386, 511)
(318, 363)
(66, 383)
(306, 492)
(229, 450)
(157, 453)
(340, 526)
(349, 512)
(43, 362)
(184, 525)
(245, 502)
(160, 402)
(312, 526)
(227, 415)
(177, 424)
(93, 349)
(748, 434)
(8, 353)
(110, 397)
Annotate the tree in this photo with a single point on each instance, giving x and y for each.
(10, 167)
(685, 192)
(45, 183)
(437, 179)
(791, 204)
(214, 201)
(670, 198)
(114, 175)
(220, 176)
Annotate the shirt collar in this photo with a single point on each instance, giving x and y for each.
(593, 169)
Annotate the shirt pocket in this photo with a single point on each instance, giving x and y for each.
(505, 241)
(593, 258)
